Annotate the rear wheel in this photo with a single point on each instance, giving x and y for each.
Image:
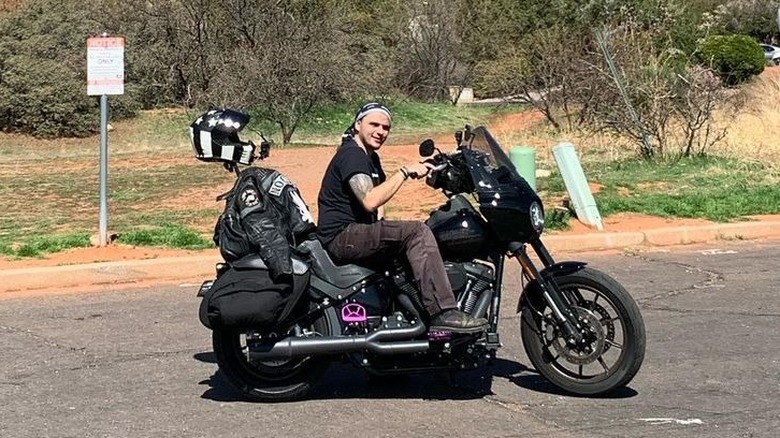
(268, 381)
(615, 334)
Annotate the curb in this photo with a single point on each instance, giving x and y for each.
(107, 273)
(201, 267)
(668, 236)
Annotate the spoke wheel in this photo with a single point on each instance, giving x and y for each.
(613, 347)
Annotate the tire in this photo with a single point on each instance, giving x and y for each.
(618, 333)
(276, 381)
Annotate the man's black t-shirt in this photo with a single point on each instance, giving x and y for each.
(337, 204)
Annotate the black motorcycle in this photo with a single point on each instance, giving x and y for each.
(580, 328)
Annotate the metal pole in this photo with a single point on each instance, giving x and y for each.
(601, 40)
(103, 225)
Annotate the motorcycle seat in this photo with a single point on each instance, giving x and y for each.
(254, 261)
(340, 276)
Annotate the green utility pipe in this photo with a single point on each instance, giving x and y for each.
(524, 160)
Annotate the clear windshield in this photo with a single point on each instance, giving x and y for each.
(491, 152)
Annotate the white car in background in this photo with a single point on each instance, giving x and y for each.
(771, 54)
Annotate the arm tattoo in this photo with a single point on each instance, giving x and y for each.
(361, 184)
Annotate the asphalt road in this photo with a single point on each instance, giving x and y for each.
(136, 363)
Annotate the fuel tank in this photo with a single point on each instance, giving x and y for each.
(460, 231)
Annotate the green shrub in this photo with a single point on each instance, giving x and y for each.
(735, 57)
(39, 97)
(43, 88)
(123, 106)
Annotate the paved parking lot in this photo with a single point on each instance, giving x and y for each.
(137, 363)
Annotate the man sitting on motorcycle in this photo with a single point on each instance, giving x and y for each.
(351, 226)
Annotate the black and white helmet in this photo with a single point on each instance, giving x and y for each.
(214, 137)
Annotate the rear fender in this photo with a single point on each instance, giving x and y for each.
(532, 292)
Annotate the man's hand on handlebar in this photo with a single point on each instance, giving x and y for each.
(418, 170)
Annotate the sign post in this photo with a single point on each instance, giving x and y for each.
(105, 75)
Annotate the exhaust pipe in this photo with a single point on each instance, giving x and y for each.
(380, 342)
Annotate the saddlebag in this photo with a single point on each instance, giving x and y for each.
(245, 297)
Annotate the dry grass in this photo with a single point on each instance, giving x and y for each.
(151, 134)
(753, 134)
(590, 147)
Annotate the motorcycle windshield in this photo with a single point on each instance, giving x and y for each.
(504, 197)
(492, 157)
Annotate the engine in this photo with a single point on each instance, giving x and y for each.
(470, 281)
(380, 304)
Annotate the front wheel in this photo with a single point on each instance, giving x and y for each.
(268, 381)
(614, 333)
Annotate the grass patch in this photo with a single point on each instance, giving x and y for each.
(200, 220)
(6, 250)
(715, 188)
(38, 246)
(166, 235)
(555, 219)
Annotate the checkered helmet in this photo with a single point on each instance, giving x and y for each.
(214, 137)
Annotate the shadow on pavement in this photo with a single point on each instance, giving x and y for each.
(347, 382)
(220, 389)
(528, 378)
(344, 381)
(207, 357)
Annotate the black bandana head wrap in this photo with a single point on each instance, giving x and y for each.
(362, 112)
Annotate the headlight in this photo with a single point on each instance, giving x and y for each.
(537, 217)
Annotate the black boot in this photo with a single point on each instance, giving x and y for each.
(456, 321)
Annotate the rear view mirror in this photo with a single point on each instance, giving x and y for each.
(426, 148)
(265, 149)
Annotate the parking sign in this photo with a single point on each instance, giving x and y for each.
(105, 66)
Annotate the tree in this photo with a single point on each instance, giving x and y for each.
(292, 61)
(375, 32)
(431, 63)
(756, 18)
(174, 48)
(277, 59)
(736, 58)
(664, 102)
(545, 71)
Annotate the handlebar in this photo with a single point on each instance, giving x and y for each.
(449, 173)
(438, 167)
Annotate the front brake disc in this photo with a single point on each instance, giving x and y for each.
(584, 354)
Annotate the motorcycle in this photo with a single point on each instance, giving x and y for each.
(580, 328)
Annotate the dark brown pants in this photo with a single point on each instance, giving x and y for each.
(385, 240)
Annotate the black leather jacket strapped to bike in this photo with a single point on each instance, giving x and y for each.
(264, 215)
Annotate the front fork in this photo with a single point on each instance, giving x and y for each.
(558, 302)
